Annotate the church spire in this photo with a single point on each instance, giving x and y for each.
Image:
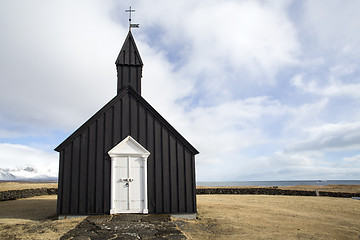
(129, 66)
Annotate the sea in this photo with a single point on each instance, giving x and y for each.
(277, 183)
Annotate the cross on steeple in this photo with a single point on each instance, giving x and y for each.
(130, 24)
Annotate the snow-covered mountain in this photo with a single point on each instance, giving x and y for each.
(26, 173)
(21, 162)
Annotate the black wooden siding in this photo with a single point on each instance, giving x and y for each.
(129, 76)
(84, 176)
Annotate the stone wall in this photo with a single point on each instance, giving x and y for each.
(25, 193)
(273, 191)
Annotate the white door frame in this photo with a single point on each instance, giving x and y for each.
(128, 148)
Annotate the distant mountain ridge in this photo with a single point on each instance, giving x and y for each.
(27, 173)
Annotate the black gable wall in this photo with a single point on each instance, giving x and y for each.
(84, 176)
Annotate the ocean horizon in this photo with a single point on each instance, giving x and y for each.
(276, 183)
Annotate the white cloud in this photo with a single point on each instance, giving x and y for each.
(59, 86)
(353, 159)
(221, 45)
(57, 54)
(224, 133)
(285, 165)
(334, 24)
(160, 77)
(7, 133)
(330, 137)
(333, 88)
(249, 24)
(305, 115)
(219, 71)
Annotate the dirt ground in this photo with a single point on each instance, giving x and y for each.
(274, 217)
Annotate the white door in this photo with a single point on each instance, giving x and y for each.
(129, 178)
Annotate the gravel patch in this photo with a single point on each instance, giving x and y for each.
(126, 226)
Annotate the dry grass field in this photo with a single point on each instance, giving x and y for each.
(33, 218)
(220, 217)
(5, 186)
(274, 217)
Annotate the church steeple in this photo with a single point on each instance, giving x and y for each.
(129, 66)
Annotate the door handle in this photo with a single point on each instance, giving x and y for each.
(127, 179)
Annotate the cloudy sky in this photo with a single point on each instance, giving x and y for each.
(265, 90)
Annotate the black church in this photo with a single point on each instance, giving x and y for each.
(126, 158)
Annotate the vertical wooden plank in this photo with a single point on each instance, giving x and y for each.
(151, 165)
(128, 78)
(126, 75)
(91, 170)
(188, 182)
(99, 165)
(67, 177)
(138, 77)
(75, 176)
(112, 127)
(117, 122)
(142, 126)
(158, 169)
(108, 131)
(107, 146)
(134, 80)
(125, 117)
(193, 182)
(83, 171)
(181, 178)
(134, 119)
(60, 182)
(173, 176)
(120, 77)
(165, 169)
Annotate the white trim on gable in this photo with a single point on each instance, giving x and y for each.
(129, 147)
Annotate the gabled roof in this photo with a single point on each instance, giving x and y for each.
(138, 97)
(129, 54)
